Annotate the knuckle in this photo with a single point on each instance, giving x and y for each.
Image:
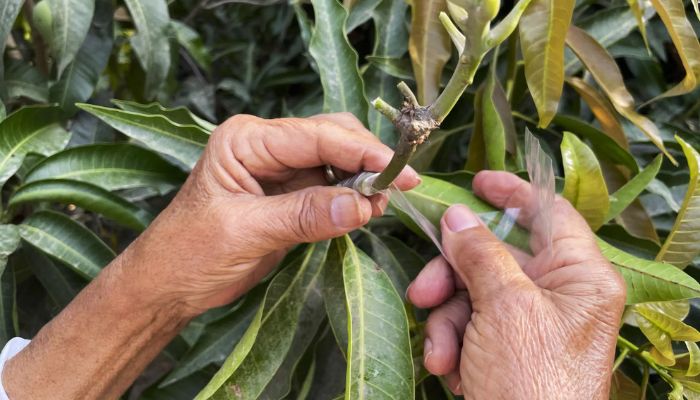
(307, 218)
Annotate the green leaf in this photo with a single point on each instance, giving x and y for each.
(217, 342)
(543, 29)
(672, 13)
(343, 89)
(661, 329)
(429, 47)
(628, 193)
(9, 240)
(584, 185)
(608, 27)
(694, 362)
(151, 43)
(605, 147)
(649, 281)
(24, 80)
(9, 10)
(608, 75)
(380, 364)
(637, 8)
(291, 313)
(360, 13)
(86, 196)
(70, 21)
(182, 142)
(401, 263)
(190, 40)
(8, 304)
(60, 283)
(333, 289)
(683, 242)
(34, 129)
(476, 152)
(78, 81)
(110, 166)
(390, 41)
(68, 241)
(178, 115)
(499, 129)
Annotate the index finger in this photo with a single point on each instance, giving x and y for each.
(270, 147)
(569, 229)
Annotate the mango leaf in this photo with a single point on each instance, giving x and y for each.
(70, 21)
(9, 10)
(646, 280)
(360, 12)
(637, 8)
(34, 129)
(190, 40)
(499, 128)
(661, 329)
(683, 242)
(151, 43)
(291, 312)
(380, 364)
(476, 152)
(79, 79)
(672, 13)
(608, 75)
(217, 342)
(624, 388)
(694, 362)
(650, 281)
(543, 29)
(334, 293)
(84, 195)
(9, 240)
(390, 41)
(628, 193)
(178, 115)
(111, 167)
(429, 47)
(60, 283)
(343, 89)
(24, 80)
(401, 263)
(603, 145)
(68, 241)
(584, 185)
(601, 109)
(608, 27)
(182, 142)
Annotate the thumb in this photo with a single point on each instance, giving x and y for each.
(310, 215)
(479, 258)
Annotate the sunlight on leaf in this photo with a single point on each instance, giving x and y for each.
(584, 185)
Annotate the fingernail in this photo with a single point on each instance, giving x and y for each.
(346, 211)
(427, 350)
(459, 218)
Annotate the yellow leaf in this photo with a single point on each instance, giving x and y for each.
(543, 29)
(606, 72)
(672, 13)
(624, 388)
(638, 11)
(601, 109)
(661, 329)
(694, 362)
(683, 243)
(429, 46)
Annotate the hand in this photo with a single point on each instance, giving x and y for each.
(257, 190)
(507, 325)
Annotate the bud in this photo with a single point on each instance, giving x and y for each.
(42, 19)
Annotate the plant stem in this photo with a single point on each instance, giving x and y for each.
(646, 358)
(460, 80)
(620, 358)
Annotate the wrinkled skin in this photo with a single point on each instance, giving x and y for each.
(508, 325)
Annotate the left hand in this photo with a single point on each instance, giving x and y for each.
(257, 190)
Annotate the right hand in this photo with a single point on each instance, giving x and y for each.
(507, 325)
